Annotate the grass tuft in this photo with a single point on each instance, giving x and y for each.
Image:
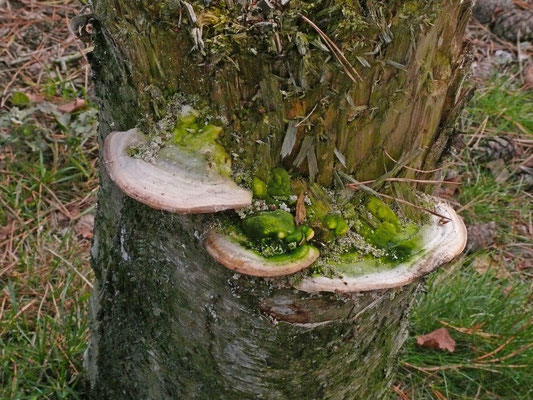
(491, 320)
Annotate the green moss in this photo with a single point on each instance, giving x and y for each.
(279, 183)
(259, 188)
(403, 251)
(382, 211)
(297, 254)
(191, 136)
(20, 99)
(337, 224)
(411, 8)
(269, 224)
(351, 256)
(300, 235)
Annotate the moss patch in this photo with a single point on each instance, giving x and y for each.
(192, 135)
(359, 233)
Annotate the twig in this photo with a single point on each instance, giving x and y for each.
(514, 353)
(409, 180)
(470, 331)
(414, 169)
(73, 57)
(359, 185)
(71, 266)
(501, 347)
(482, 366)
(307, 116)
(400, 392)
(335, 50)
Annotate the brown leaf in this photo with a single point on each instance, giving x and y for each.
(301, 212)
(71, 106)
(439, 339)
(528, 78)
(7, 230)
(84, 227)
(36, 97)
(481, 236)
(484, 263)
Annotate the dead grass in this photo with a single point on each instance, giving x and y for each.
(47, 194)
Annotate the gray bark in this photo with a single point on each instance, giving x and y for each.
(168, 323)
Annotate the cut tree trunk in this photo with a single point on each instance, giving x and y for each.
(167, 321)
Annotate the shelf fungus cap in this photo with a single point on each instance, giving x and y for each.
(244, 261)
(177, 181)
(440, 243)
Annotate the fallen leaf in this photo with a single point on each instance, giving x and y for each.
(481, 236)
(7, 230)
(301, 213)
(528, 78)
(84, 227)
(36, 97)
(484, 262)
(71, 106)
(439, 339)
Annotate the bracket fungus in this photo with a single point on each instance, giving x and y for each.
(439, 244)
(178, 181)
(364, 244)
(234, 256)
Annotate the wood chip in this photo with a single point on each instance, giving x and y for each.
(289, 140)
(301, 212)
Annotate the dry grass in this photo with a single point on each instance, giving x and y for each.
(47, 195)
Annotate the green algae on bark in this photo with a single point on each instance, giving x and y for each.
(191, 135)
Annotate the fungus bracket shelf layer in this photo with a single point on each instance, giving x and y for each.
(178, 181)
(440, 243)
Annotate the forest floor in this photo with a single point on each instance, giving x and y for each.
(48, 185)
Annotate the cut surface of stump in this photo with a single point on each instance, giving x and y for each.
(178, 181)
(234, 256)
(439, 243)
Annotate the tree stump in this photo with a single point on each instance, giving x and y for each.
(320, 88)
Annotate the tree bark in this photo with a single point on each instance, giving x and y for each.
(167, 321)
